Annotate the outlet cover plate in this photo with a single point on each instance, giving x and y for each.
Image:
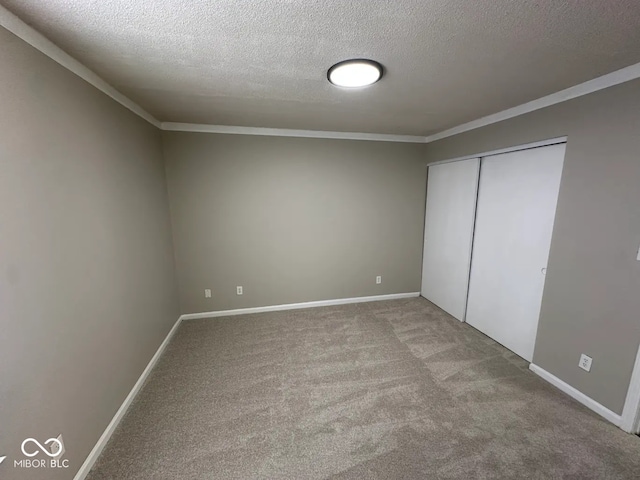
(585, 362)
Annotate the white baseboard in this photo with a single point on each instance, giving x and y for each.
(577, 395)
(296, 306)
(106, 435)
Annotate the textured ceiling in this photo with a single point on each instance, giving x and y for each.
(263, 62)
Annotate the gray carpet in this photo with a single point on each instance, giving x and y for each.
(382, 390)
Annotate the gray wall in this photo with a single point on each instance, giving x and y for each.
(87, 282)
(591, 300)
(293, 219)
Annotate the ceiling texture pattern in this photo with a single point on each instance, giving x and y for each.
(263, 63)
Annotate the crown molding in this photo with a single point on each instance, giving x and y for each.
(623, 75)
(285, 132)
(34, 38)
(19, 28)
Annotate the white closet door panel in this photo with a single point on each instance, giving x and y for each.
(517, 199)
(450, 213)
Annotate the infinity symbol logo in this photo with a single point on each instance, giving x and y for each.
(41, 447)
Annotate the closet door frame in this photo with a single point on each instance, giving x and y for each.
(515, 148)
(488, 153)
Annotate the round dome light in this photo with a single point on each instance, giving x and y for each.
(355, 73)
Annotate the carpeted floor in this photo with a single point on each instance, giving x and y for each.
(382, 390)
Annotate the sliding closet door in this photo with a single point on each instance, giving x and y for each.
(448, 234)
(517, 199)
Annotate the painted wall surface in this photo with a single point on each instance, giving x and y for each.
(87, 276)
(293, 219)
(591, 303)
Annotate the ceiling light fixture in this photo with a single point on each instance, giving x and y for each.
(355, 73)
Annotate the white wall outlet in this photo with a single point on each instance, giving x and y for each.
(57, 448)
(239, 290)
(207, 293)
(378, 280)
(585, 362)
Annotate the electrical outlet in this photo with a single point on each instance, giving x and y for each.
(378, 280)
(239, 290)
(57, 448)
(207, 293)
(585, 362)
